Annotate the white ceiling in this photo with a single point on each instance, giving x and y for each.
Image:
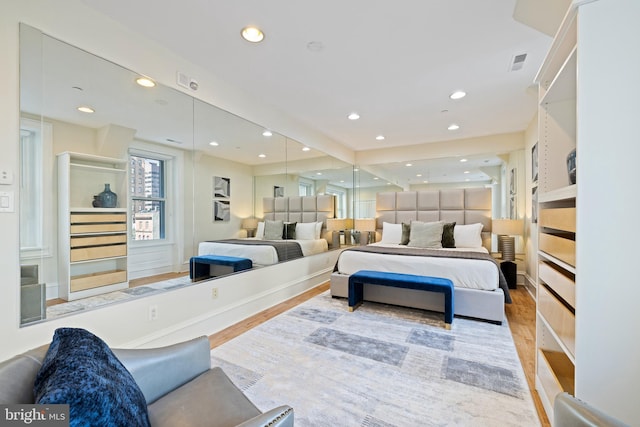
(394, 63)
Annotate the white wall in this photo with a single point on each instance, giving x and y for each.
(73, 22)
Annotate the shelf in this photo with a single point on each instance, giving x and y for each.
(568, 267)
(563, 87)
(97, 168)
(564, 193)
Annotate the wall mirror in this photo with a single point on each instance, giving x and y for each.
(183, 171)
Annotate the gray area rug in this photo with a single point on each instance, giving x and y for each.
(380, 366)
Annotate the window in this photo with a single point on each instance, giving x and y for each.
(341, 200)
(305, 188)
(148, 198)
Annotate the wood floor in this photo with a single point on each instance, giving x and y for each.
(521, 316)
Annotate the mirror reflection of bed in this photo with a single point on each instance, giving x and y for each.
(292, 227)
(414, 227)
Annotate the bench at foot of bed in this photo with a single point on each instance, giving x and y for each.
(200, 266)
(400, 280)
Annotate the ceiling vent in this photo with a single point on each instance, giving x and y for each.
(518, 62)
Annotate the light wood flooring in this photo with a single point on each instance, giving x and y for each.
(521, 316)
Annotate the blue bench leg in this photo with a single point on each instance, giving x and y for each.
(356, 294)
(448, 308)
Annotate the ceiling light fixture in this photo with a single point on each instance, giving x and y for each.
(459, 94)
(418, 175)
(409, 164)
(267, 133)
(466, 172)
(252, 34)
(306, 149)
(354, 116)
(380, 137)
(86, 109)
(145, 82)
(262, 156)
(463, 160)
(213, 144)
(453, 126)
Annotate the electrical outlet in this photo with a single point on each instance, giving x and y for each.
(153, 312)
(214, 293)
(6, 177)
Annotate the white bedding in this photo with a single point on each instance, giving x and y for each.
(260, 254)
(465, 273)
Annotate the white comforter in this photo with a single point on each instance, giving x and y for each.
(260, 254)
(465, 273)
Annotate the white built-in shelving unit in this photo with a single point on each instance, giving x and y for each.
(92, 241)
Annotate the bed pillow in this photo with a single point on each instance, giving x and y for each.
(318, 229)
(468, 236)
(426, 234)
(80, 370)
(273, 230)
(306, 230)
(391, 233)
(406, 232)
(260, 230)
(289, 231)
(448, 237)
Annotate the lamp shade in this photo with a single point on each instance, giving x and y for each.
(349, 224)
(507, 227)
(365, 224)
(249, 223)
(336, 224)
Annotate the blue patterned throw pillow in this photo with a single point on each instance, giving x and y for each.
(81, 370)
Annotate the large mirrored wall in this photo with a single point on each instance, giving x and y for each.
(183, 172)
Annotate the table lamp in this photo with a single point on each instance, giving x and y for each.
(506, 229)
(366, 225)
(336, 225)
(250, 224)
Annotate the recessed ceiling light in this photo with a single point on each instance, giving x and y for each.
(466, 171)
(418, 175)
(342, 180)
(356, 170)
(453, 126)
(409, 164)
(267, 133)
(86, 109)
(306, 149)
(252, 34)
(380, 137)
(262, 156)
(459, 94)
(213, 144)
(318, 173)
(425, 182)
(463, 160)
(145, 82)
(375, 178)
(354, 116)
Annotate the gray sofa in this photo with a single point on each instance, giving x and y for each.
(178, 383)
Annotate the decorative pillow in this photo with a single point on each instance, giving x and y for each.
(260, 230)
(273, 230)
(80, 370)
(289, 231)
(406, 232)
(448, 239)
(468, 236)
(426, 234)
(318, 229)
(306, 230)
(391, 233)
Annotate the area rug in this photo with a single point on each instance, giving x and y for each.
(380, 366)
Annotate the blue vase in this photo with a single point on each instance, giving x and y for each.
(108, 199)
(571, 166)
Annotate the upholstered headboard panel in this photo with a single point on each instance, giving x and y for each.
(300, 208)
(462, 205)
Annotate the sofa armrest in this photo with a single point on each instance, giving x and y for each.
(569, 411)
(157, 371)
(281, 416)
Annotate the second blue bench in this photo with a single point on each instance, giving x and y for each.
(401, 280)
(200, 266)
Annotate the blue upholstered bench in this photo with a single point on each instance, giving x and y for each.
(400, 280)
(200, 266)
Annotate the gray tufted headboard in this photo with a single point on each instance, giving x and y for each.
(462, 205)
(300, 208)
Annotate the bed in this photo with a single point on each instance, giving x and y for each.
(480, 288)
(303, 232)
